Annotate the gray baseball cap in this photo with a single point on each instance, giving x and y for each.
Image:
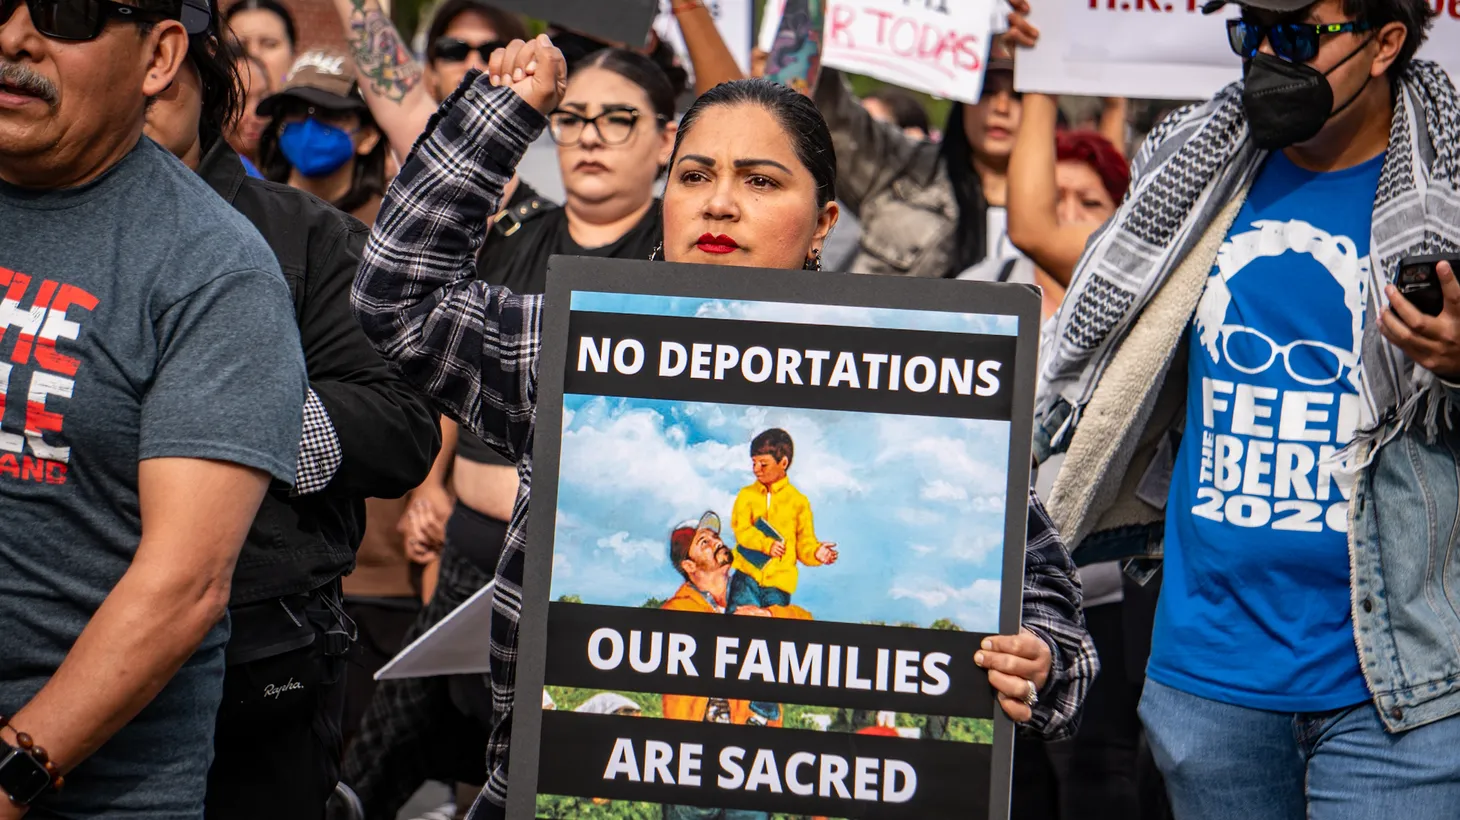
(1280, 6)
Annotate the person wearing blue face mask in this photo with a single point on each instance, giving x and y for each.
(321, 137)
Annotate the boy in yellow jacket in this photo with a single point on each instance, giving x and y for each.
(772, 523)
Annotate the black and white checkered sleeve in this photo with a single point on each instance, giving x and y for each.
(469, 346)
(320, 453)
(1052, 611)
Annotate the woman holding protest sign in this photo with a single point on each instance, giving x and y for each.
(752, 183)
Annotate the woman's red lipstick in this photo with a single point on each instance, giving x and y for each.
(709, 243)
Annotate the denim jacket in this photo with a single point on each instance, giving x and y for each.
(1404, 514)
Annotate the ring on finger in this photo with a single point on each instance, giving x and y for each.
(1033, 696)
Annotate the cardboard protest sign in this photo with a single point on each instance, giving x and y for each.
(617, 21)
(1163, 49)
(732, 19)
(718, 629)
(936, 46)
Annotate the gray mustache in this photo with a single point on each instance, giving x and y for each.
(28, 81)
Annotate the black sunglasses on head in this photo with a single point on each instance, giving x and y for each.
(453, 50)
(78, 19)
(1293, 42)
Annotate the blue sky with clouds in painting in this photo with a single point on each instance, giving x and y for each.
(915, 503)
(850, 316)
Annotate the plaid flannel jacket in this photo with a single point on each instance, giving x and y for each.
(474, 349)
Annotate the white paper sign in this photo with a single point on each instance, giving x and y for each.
(936, 46)
(732, 18)
(1164, 49)
(456, 645)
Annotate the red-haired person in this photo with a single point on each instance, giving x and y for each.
(1062, 186)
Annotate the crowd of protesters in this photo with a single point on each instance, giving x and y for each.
(275, 314)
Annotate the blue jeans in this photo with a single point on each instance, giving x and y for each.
(1224, 762)
(746, 591)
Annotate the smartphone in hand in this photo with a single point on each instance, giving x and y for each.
(1419, 280)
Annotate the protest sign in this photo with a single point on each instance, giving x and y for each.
(745, 614)
(732, 19)
(1163, 49)
(936, 46)
(454, 646)
(617, 21)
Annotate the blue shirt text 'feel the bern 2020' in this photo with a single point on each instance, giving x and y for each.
(1254, 608)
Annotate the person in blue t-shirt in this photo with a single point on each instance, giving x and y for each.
(1272, 397)
(1256, 404)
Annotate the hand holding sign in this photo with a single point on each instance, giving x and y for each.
(1021, 31)
(535, 69)
(1014, 662)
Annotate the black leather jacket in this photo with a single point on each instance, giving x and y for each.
(386, 429)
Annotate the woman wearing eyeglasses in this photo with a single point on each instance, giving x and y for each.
(615, 130)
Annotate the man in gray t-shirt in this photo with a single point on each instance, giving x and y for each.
(151, 385)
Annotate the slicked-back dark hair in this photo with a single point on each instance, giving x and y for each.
(803, 123)
(639, 70)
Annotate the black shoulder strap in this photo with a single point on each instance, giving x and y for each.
(1007, 269)
(510, 220)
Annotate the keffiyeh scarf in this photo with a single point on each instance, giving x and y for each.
(1197, 160)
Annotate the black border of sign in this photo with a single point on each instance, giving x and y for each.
(568, 274)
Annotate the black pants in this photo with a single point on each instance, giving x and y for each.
(1106, 771)
(429, 728)
(384, 624)
(278, 743)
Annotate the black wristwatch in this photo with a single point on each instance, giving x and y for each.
(22, 777)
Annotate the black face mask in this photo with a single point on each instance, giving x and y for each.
(1288, 103)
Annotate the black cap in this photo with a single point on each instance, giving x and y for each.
(196, 16)
(1280, 6)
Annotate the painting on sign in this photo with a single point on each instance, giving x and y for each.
(780, 529)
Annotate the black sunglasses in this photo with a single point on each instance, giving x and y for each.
(78, 19)
(453, 50)
(1293, 42)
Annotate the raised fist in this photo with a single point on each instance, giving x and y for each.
(534, 69)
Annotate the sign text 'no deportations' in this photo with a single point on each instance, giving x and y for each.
(775, 513)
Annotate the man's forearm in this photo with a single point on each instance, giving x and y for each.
(387, 70)
(144, 631)
(390, 76)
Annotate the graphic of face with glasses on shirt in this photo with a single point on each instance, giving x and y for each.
(1275, 378)
(1307, 325)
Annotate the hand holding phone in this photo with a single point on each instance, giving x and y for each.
(1419, 281)
(1423, 317)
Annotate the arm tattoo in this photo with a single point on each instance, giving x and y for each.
(382, 59)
